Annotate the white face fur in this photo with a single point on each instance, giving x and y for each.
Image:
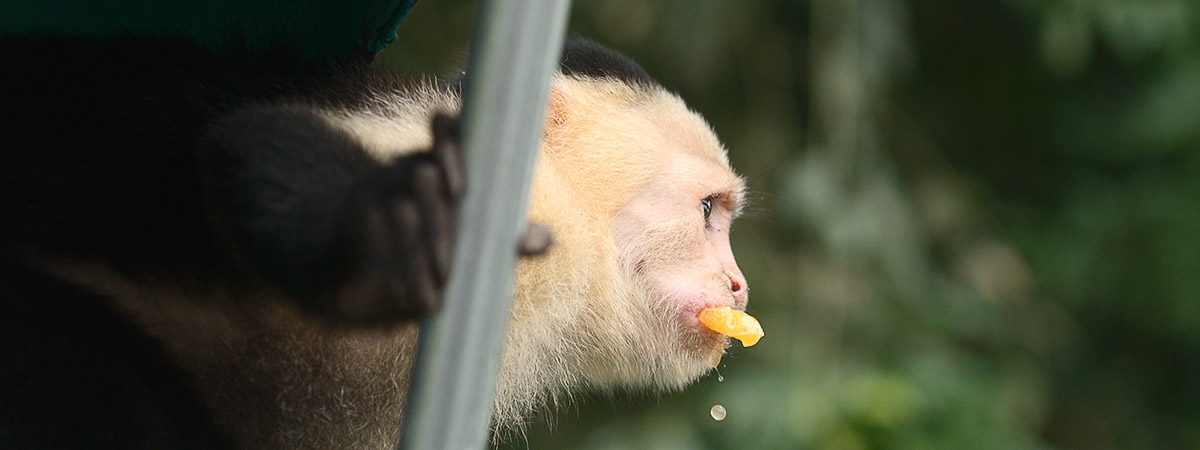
(640, 197)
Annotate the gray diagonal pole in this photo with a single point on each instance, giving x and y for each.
(514, 53)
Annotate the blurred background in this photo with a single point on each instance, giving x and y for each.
(976, 224)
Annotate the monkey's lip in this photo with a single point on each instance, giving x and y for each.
(692, 308)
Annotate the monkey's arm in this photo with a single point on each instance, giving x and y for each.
(303, 205)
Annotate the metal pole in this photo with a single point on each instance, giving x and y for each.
(514, 53)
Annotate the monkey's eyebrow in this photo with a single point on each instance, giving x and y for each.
(738, 206)
(737, 197)
(732, 199)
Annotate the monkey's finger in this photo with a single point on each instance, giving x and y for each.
(447, 151)
(411, 268)
(536, 240)
(437, 221)
(425, 295)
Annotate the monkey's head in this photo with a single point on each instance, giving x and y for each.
(640, 196)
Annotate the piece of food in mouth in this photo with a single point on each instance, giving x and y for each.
(735, 324)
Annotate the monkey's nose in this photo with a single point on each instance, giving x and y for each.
(738, 287)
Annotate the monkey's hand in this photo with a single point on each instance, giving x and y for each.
(304, 206)
(399, 233)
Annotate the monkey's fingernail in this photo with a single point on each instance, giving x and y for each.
(536, 240)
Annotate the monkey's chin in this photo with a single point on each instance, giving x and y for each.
(715, 350)
(714, 358)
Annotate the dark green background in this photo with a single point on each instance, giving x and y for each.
(976, 223)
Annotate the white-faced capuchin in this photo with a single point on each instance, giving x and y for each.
(212, 250)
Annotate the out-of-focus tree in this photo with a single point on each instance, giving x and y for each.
(977, 223)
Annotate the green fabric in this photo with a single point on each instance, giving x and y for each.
(322, 28)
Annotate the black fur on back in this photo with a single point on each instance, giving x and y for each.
(582, 57)
(100, 160)
(99, 139)
(75, 374)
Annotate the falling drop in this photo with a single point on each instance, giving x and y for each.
(717, 412)
(720, 378)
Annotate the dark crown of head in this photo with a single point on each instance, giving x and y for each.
(582, 57)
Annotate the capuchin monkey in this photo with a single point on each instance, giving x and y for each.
(204, 250)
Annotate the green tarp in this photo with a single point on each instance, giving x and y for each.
(322, 28)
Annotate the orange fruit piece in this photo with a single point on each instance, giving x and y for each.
(735, 324)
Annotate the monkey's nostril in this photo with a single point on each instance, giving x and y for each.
(737, 284)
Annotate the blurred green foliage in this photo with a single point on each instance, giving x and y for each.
(977, 222)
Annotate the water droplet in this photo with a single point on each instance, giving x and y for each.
(720, 378)
(717, 412)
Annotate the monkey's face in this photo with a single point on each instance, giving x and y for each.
(639, 195)
(672, 242)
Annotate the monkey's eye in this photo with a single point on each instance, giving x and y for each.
(706, 206)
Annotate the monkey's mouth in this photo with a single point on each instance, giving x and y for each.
(690, 309)
(685, 303)
(713, 326)
(706, 344)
